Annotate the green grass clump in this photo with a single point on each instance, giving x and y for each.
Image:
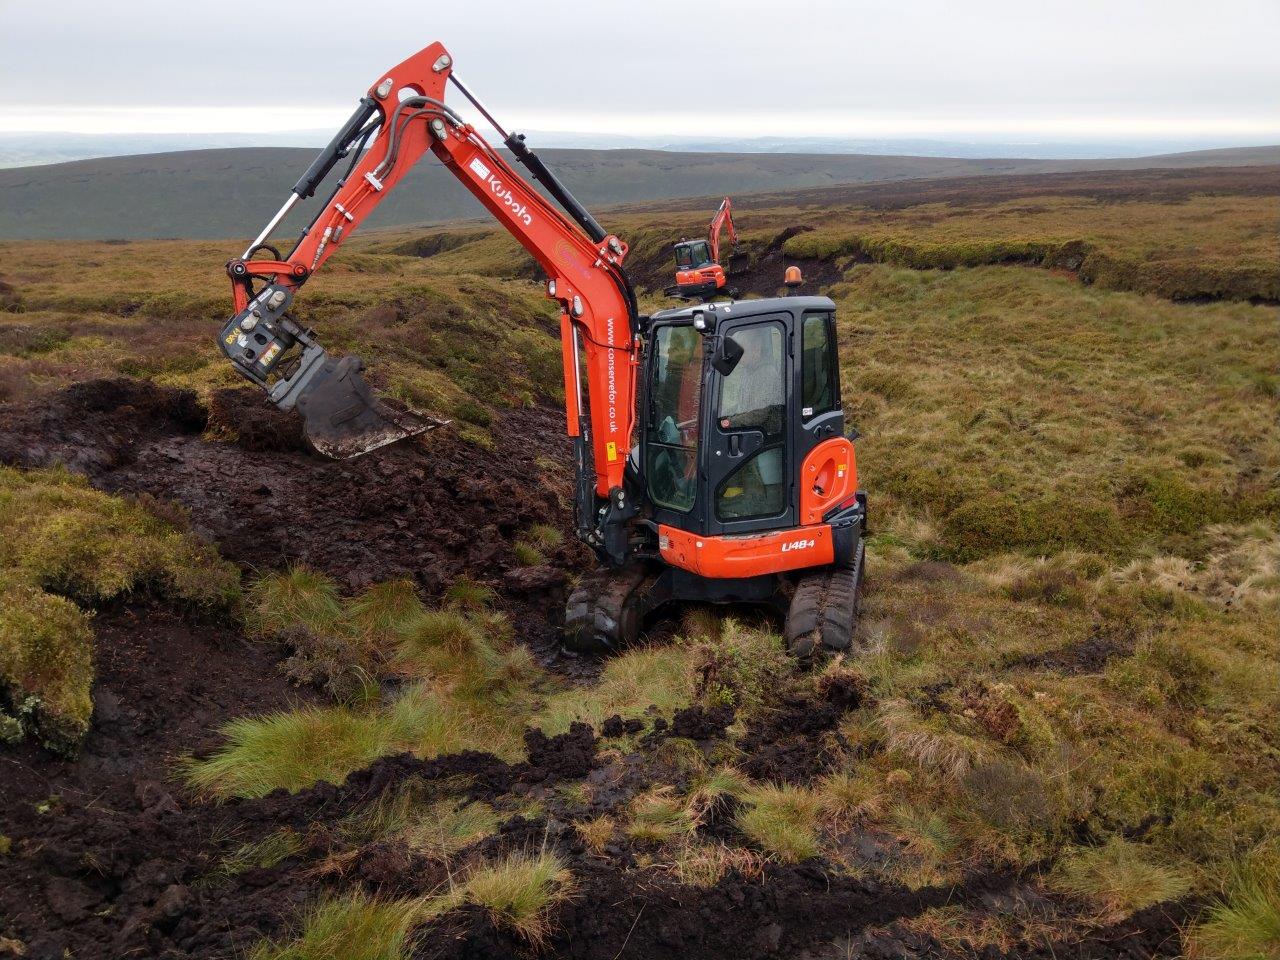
(468, 594)
(446, 826)
(295, 749)
(471, 688)
(60, 535)
(1120, 877)
(436, 827)
(520, 891)
(530, 548)
(354, 927)
(338, 645)
(291, 750)
(381, 611)
(471, 655)
(660, 815)
(932, 742)
(304, 610)
(271, 850)
(1245, 924)
(46, 666)
(783, 819)
(658, 677)
(527, 554)
(740, 666)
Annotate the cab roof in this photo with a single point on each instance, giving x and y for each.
(745, 308)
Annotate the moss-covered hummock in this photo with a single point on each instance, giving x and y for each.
(63, 548)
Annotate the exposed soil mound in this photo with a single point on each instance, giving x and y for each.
(242, 418)
(430, 508)
(793, 911)
(97, 426)
(792, 743)
(104, 848)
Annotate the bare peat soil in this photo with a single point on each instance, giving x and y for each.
(112, 857)
(431, 509)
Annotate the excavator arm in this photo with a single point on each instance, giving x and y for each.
(403, 116)
(722, 219)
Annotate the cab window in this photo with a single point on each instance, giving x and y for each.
(819, 366)
(684, 256)
(675, 395)
(752, 398)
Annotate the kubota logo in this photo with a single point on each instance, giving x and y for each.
(799, 545)
(519, 209)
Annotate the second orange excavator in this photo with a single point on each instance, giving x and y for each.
(699, 271)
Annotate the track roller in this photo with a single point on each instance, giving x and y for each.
(824, 609)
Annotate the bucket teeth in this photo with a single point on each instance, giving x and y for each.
(342, 419)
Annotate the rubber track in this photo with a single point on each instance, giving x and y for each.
(601, 616)
(824, 611)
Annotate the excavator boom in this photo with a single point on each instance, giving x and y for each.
(403, 116)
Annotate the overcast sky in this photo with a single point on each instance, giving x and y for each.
(886, 68)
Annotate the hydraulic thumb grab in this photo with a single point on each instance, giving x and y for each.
(341, 418)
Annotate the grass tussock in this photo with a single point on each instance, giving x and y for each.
(597, 833)
(738, 666)
(784, 820)
(1119, 877)
(472, 656)
(467, 594)
(520, 891)
(931, 743)
(336, 644)
(1245, 923)
(659, 815)
(353, 927)
(706, 864)
(295, 749)
(271, 850)
(631, 683)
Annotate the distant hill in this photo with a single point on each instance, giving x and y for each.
(232, 192)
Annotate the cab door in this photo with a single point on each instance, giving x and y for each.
(748, 477)
(818, 415)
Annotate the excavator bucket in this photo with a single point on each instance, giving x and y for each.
(342, 418)
(739, 263)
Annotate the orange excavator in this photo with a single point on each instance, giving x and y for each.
(710, 447)
(699, 272)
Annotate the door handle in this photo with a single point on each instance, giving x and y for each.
(735, 445)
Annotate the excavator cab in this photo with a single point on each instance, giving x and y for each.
(739, 399)
(692, 254)
(746, 474)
